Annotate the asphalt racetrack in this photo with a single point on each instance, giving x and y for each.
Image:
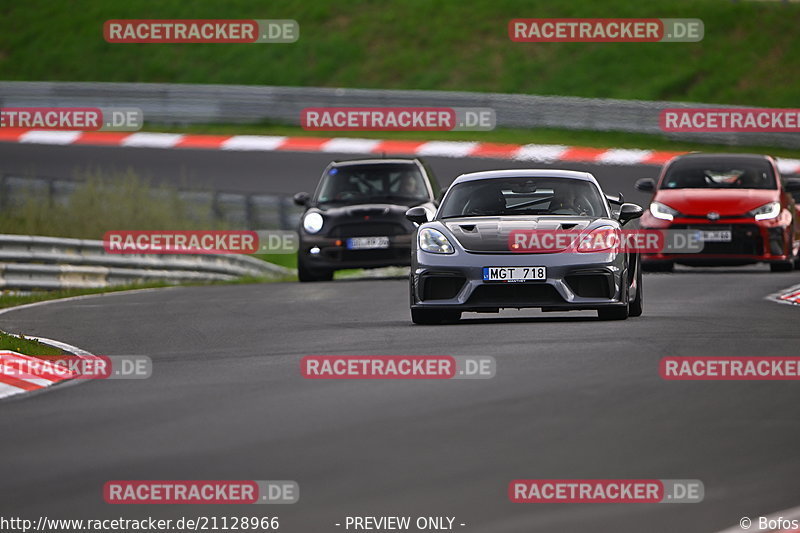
(573, 397)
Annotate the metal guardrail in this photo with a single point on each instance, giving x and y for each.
(240, 210)
(33, 262)
(188, 103)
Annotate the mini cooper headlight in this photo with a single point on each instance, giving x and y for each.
(434, 241)
(312, 222)
(662, 211)
(766, 211)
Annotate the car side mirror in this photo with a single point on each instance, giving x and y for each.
(301, 198)
(417, 215)
(792, 185)
(645, 185)
(629, 211)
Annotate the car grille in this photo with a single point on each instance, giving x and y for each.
(367, 229)
(745, 239)
(513, 294)
(441, 287)
(590, 285)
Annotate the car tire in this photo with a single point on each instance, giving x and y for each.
(613, 313)
(783, 266)
(304, 274)
(658, 266)
(635, 307)
(434, 316)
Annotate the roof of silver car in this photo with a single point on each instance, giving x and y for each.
(374, 161)
(526, 173)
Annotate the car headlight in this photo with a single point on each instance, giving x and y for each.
(664, 212)
(434, 241)
(766, 211)
(312, 222)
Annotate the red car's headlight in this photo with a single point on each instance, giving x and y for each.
(663, 211)
(766, 211)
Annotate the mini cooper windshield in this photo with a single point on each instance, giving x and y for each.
(524, 196)
(361, 184)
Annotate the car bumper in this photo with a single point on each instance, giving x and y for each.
(585, 282)
(751, 242)
(334, 255)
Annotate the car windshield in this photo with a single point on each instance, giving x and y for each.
(719, 175)
(384, 182)
(524, 196)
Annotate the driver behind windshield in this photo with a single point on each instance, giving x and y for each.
(523, 196)
(409, 185)
(364, 183)
(568, 201)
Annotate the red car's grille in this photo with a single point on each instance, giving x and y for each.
(745, 239)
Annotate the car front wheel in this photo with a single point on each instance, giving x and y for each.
(783, 266)
(305, 274)
(636, 306)
(613, 313)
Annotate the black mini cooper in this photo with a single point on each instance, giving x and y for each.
(356, 218)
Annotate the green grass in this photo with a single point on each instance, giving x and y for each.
(20, 344)
(750, 53)
(284, 260)
(596, 139)
(101, 203)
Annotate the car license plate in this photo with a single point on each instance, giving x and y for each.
(367, 243)
(515, 274)
(716, 236)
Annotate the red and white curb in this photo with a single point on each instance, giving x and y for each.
(42, 374)
(544, 153)
(14, 380)
(38, 382)
(20, 373)
(789, 296)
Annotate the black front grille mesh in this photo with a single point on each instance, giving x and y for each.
(745, 239)
(441, 287)
(510, 294)
(367, 229)
(590, 285)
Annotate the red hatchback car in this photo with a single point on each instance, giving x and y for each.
(743, 210)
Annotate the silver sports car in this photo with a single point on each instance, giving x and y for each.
(473, 254)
